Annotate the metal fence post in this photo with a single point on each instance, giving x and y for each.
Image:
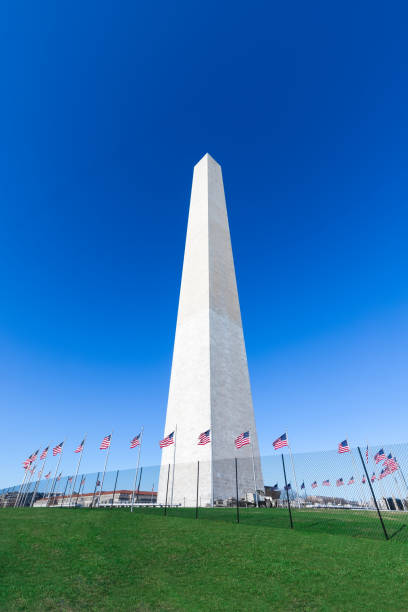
(236, 486)
(287, 492)
(114, 488)
(167, 491)
(198, 479)
(138, 486)
(94, 493)
(372, 493)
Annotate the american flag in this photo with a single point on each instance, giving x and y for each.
(287, 487)
(380, 456)
(302, 486)
(373, 477)
(351, 481)
(275, 486)
(59, 476)
(326, 483)
(242, 439)
(70, 479)
(57, 449)
(339, 482)
(135, 441)
(391, 463)
(28, 461)
(204, 438)
(383, 473)
(314, 485)
(44, 453)
(105, 442)
(34, 456)
(167, 441)
(280, 442)
(367, 454)
(80, 447)
(364, 480)
(98, 483)
(344, 447)
(82, 482)
(47, 475)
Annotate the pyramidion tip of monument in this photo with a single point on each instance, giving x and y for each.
(207, 158)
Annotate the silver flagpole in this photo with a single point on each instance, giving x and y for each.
(27, 487)
(293, 470)
(174, 465)
(137, 469)
(21, 487)
(56, 472)
(76, 473)
(253, 470)
(40, 473)
(104, 471)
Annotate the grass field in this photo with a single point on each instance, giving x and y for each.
(114, 560)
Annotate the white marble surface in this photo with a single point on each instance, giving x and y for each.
(209, 386)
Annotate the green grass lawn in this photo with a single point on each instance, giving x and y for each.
(114, 560)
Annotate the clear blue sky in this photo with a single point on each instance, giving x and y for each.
(105, 108)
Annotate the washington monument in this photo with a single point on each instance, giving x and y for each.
(209, 385)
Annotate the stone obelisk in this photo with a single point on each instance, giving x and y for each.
(209, 386)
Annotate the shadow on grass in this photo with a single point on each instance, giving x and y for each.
(397, 531)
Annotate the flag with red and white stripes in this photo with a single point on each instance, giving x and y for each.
(105, 442)
(167, 441)
(135, 441)
(380, 456)
(351, 481)
(326, 483)
(280, 442)
(47, 475)
(339, 482)
(314, 485)
(344, 447)
(391, 464)
(80, 448)
(204, 438)
(373, 477)
(243, 439)
(57, 449)
(44, 453)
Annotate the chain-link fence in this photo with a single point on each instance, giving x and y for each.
(362, 491)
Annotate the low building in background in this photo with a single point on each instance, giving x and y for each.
(121, 497)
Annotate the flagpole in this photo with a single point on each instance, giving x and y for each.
(94, 493)
(27, 487)
(21, 486)
(48, 488)
(65, 490)
(81, 484)
(40, 473)
(253, 470)
(55, 492)
(174, 465)
(76, 473)
(56, 472)
(104, 471)
(293, 470)
(137, 469)
(16, 503)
